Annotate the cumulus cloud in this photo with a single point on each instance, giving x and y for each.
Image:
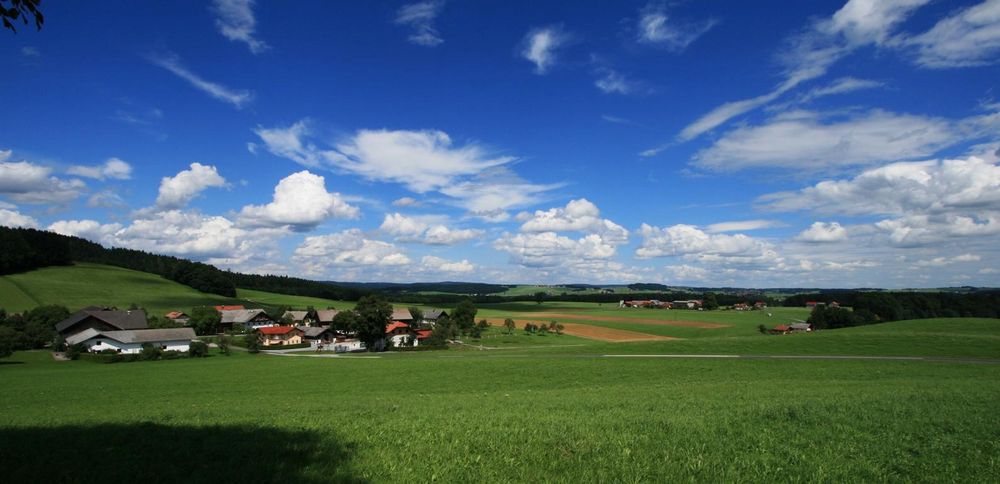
(945, 261)
(655, 27)
(235, 21)
(809, 140)
(422, 161)
(923, 230)
(172, 63)
(541, 46)
(26, 182)
(688, 240)
(610, 81)
(577, 216)
(13, 218)
(300, 202)
(406, 202)
(420, 18)
(901, 188)
(348, 248)
(87, 229)
(185, 233)
(178, 190)
(425, 230)
(548, 249)
(430, 263)
(113, 168)
(821, 232)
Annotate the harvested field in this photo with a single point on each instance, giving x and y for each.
(612, 319)
(599, 333)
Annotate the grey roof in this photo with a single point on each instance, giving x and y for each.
(326, 315)
(138, 335)
(401, 315)
(240, 315)
(296, 315)
(434, 313)
(800, 326)
(119, 319)
(82, 336)
(313, 331)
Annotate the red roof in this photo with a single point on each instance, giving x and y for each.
(394, 326)
(277, 330)
(174, 314)
(229, 308)
(782, 327)
(424, 334)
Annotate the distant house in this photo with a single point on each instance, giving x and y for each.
(607, 290)
(101, 319)
(432, 315)
(400, 334)
(402, 315)
(280, 335)
(229, 308)
(324, 317)
(688, 304)
(780, 329)
(178, 317)
(307, 318)
(812, 304)
(423, 334)
(834, 304)
(741, 307)
(344, 345)
(131, 341)
(650, 303)
(317, 335)
(248, 318)
(760, 305)
(800, 327)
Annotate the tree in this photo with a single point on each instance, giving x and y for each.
(223, 344)
(540, 296)
(510, 325)
(418, 316)
(6, 341)
(552, 326)
(477, 330)
(156, 322)
(205, 320)
(252, 342)
(559, 328)
(344, 321)
(20, 9)
(445, 329)
(374, 314)
(710, 301)
(762, 329)
(198, 349)
(464, 316)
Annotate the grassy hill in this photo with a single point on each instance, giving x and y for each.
(85, 284)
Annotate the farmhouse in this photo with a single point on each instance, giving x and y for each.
(306, 318)
(324, 317)
(741, 307)
(651, 303)
(797, 327)
(101, 319)
(131, 341)
(229, 308)
(760, 305)
(689, 304)
(401, 334)
(178, 317)
(432, 315)
(249, 318)
(317, 335)
(280, 335)
(402, 315)
(780, 329)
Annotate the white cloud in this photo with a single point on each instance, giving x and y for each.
(87, 229)
(841, 86)
(106, 199)
(811, 141)
(901, 188)
(236, 97)
(188, 234)
(178, 190)
(540, 46)
(347, 248)
(968, 37)
(26, 182)
(657, 28)
(431, 263)
(577, 216)
(406, 202)
(420, 18)
(29, 51)
(425, 230)
(742, 225)
(924, 230)
(613, 82)
(13, 218)
(113, 168)
(821, 232)
(688, 240)
(235, 21)
(810, 54)
(548, 249)
(945, 261)
(300, 202)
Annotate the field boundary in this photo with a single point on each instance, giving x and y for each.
(623, 320)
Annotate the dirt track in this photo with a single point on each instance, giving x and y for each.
(591, 332)
(611, 319)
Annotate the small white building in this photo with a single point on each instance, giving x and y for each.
(131, 341)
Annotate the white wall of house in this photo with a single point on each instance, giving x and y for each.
(348, 345)
(105, 343)
(400, 340)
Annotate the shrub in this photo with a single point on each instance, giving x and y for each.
(198, 349)
(223, 344)
(74, 352)
(150, 352)
(762, 329)
(252, 343)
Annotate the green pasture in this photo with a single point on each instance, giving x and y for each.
(460, 416)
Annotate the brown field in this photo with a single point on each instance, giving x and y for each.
(612, 319)
(592, 332)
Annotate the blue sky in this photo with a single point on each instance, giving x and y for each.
(825, 144)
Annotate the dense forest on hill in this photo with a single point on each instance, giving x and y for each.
(447, 287)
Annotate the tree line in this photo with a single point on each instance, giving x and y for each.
(882, 307)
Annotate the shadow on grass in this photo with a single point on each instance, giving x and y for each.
(150, 452)
(2, 363)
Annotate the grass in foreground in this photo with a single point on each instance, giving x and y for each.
(498, 419)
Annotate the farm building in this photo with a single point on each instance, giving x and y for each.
(229, 308)
(800, 327)
(131, 341)
(248, 318)
(280, 335)
(780, 329)
(402, 315)
(178, 317)
(432, 315)
(307, 318)
(101, 319)
(741, 307)
(401, 334)
(344, 345)
(760, 305)
(317, 335)
(324, 317)
(651, 303)
(689, 304)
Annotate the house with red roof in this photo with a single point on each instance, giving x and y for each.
(229, 308)
(401, 334)
(781, 329)
(178, 317)
(280, 335)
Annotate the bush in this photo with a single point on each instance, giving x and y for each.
(252, 343)
(198, 349)
(282, 347)
(74, 352)
(150, 352)
(223, 344)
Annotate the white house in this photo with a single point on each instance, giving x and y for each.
(131, 341)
